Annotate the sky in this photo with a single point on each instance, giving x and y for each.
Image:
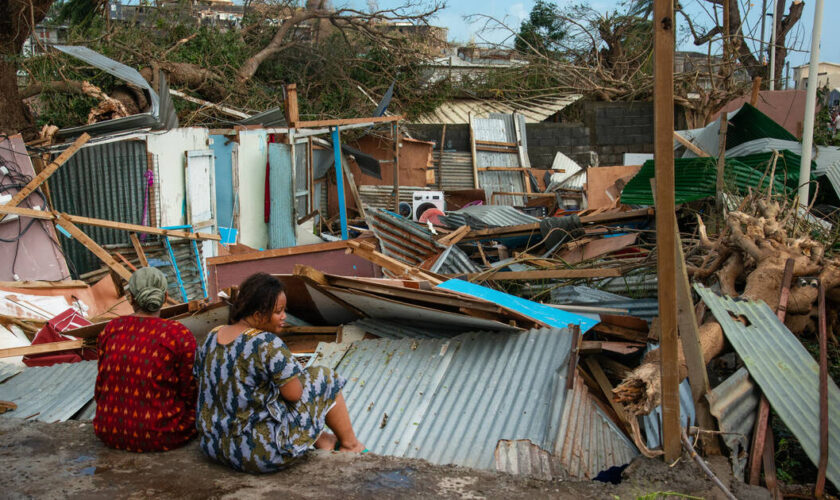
(513, 13)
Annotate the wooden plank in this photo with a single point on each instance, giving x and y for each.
(395, 133)
(617, 216)
(690, 145)
(44, 284)
(663, 97)
(46, 172)
(523, 159)
(172, 233)
(354, 191)
(41, 348)
(547, 274)
(455, 236)
(689, 333)
(473, 152)
(606, 388)
(391, 264)
(91, 245)
(26, 212)
(496, 143)
(138, 248)
(283, 252)
(291, 105)
(348, 121)
(491, 149)
(125, 261)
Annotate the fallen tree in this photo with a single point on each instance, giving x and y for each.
(752, 250)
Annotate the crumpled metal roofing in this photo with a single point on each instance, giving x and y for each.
(50, 393)
(535, 109)
(646, 309)
(412, 243)
(785, 371)
(734, 403)
(161, 114)
(487, 216)
(8, 370)
(499, 127)
(745, 124)
(696, 178)
(391, 329)
(450, 401)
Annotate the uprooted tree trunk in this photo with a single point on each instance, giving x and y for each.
(754, 249)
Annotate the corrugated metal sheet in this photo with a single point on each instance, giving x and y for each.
(746, 124)
(161, 112)
(9, 370)
(50, 393)
(734, 403)
(587, 441)
(785, 371)
(695, 179)
(401, 238)
(105, 181)
(534, 109)
(524, 458)
(451, 401)
(642, 284)
(390, 329)
(453, 260)
(653, 420)
(383, 196)
(487, 216)
(500, 128)
(455, 170)
(646, 309)
(281, 225)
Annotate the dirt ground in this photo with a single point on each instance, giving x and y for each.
(65, 460)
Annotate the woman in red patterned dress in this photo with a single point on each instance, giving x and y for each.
(145, 391)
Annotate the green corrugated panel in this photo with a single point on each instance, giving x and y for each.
(696, 178)
(750, 124)
(787, 166)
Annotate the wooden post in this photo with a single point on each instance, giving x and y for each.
(440, 157)
(756, 86)
(291, 106)
(721, 161)
(46, 173)
(819, 488)
(663, 96)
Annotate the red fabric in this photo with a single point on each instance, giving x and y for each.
(145, 390)
(51, 332)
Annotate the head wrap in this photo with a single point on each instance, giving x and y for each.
(147, 287)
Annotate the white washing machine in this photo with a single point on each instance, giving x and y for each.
(423, 200)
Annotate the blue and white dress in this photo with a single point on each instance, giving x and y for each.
(242, 419)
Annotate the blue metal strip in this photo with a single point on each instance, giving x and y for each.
(200, 268)
(175, 264)
(339, 181)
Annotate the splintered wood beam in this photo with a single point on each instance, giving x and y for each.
(46, 172)
(138, 249)
(664, 38)
(91, 245)
(172, 233)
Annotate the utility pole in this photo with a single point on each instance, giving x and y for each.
(810, 105)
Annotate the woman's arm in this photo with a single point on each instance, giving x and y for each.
(292, 390)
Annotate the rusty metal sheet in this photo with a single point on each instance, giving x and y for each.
(597, 248)
(784, 370)
(734, 403)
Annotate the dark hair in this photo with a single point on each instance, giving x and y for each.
(256, 295)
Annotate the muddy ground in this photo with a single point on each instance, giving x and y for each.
(65, 460)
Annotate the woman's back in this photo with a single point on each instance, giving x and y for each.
(145, 390)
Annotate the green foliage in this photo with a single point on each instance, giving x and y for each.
(543, 31)
(823, 134)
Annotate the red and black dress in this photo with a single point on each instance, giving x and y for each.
(145, 390)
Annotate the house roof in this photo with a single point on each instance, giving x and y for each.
(535, 109)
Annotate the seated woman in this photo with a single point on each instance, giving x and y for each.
(258, 410)
(145, 390)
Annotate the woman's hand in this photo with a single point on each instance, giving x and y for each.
(292, 390)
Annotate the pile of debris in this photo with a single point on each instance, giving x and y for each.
(516, 332)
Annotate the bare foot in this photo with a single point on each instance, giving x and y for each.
(356, 447)
(326, 441)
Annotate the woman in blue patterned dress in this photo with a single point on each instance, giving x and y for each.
(258, 409)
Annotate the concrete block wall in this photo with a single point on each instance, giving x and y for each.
(608, 128)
